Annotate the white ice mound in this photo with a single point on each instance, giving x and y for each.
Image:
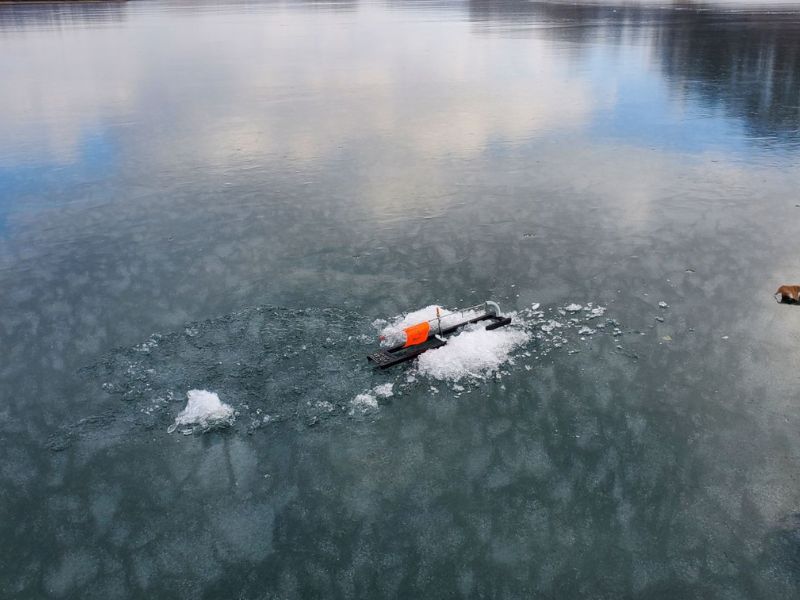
(474, 352)
(205, 411)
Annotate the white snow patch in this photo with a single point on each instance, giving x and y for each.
(474, 352)
(204, 410)
(663, 304)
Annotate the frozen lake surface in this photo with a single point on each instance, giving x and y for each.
(227, 198)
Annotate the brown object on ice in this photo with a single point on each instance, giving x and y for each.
(789, 294)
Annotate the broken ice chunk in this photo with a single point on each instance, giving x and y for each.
(363, 402)
(205, 410)
(550, 325)
(597, 311)
(384, 391)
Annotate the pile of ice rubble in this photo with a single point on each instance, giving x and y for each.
(204, 412)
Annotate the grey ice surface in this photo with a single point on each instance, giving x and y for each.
(226, 195)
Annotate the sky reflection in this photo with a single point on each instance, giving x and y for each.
(396, 77)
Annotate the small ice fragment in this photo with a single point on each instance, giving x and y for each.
(573, 308)
(585, 330)
(550, 326)
(660, 319)
(597, 311)
(724, 337)
(205, 410)
(535, 306)
(663, 304)
(384, 391)
(667, 338)
(364, 402)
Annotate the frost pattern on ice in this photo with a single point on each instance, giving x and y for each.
(204, 411)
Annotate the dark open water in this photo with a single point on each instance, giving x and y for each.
(254, 183)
